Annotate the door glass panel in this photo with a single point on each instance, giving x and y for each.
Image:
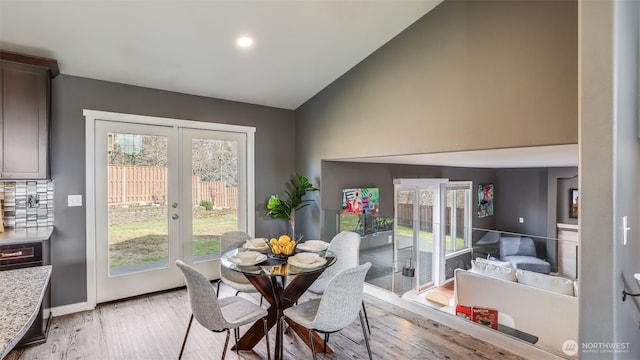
(214, 190)
(137, 196)
(460, 208)
(404, 245)
(450, 222)
(456, 219)
(425, 237)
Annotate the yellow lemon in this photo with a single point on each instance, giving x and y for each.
(284, 239)
(275, 249)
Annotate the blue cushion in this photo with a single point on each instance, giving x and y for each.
(516, 245)
(530, 263)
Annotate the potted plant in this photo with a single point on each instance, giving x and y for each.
(286, 208)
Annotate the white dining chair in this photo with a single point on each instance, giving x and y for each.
(215, 314)
(338, 307)
(346, 246)
(228, 241)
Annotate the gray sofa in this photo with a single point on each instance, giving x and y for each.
(520, 251)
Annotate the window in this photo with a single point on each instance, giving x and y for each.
(457, 217)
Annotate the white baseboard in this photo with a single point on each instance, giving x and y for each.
(69, 309)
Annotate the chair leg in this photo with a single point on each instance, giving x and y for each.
(236, 335)
(261, 297)
(313, 350)
(364, 310)
(226, 343)
(326, 340)
(184, 342)
(266, 337)
(218, 289)
(366, 338)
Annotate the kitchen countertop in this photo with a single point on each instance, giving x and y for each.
(21, 293)
(23, 235)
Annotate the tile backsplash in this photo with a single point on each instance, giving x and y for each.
(27, 203)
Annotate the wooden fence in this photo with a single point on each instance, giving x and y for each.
(135, 185)
(405, 216)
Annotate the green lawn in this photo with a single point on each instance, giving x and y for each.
(350, 222)
(427, 236)
(142, 242)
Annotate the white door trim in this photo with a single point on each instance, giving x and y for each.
(90, 118)
(415, 185)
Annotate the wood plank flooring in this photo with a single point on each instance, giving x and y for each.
(152, 327)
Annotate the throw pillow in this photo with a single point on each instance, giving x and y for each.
(546, 282)
(493, 270)
(494, 262)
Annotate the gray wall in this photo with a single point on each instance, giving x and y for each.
(563, 187)
(540, 195)
(521, 193)
(609, 175)
(468, 75)
(70, 95)
(559, 181)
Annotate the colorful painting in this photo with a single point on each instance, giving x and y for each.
(361, 201)
(485, 200)
(573, 203)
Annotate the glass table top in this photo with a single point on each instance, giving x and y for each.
(275, 265)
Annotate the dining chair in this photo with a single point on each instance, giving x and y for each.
(338, 307)
(346, 246)
(215, 314)
(228, 241)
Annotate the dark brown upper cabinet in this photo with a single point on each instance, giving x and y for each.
(25, 93)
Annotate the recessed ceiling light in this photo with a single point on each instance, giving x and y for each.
(245, 41)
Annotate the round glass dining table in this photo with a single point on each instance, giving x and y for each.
(269, 277)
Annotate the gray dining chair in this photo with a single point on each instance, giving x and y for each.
(228, 241)
(338, 307)
(346, 246)
(215, 314)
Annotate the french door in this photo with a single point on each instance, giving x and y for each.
(163, 191)
(432, 227)
(417, 228)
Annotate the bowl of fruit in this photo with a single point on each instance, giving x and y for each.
(283, 245)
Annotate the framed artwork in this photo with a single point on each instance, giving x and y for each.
(485, 200)
(573, 203)
(361, 201)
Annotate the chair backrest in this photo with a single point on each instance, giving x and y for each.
(342, 300)
(232, 240)
(346, 246)
(228, 241)
(202, 298)
(520, 246)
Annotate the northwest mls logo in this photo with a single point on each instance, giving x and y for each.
(570, 347)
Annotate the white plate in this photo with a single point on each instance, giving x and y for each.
(304, 247)
(251, 247)
(260, 258)
(293, 261)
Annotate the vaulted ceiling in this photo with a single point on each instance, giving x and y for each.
(299, 47)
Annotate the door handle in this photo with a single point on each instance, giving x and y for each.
(174, 216)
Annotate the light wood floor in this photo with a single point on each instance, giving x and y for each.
(152, 327)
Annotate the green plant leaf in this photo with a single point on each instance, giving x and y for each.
(282, 208)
